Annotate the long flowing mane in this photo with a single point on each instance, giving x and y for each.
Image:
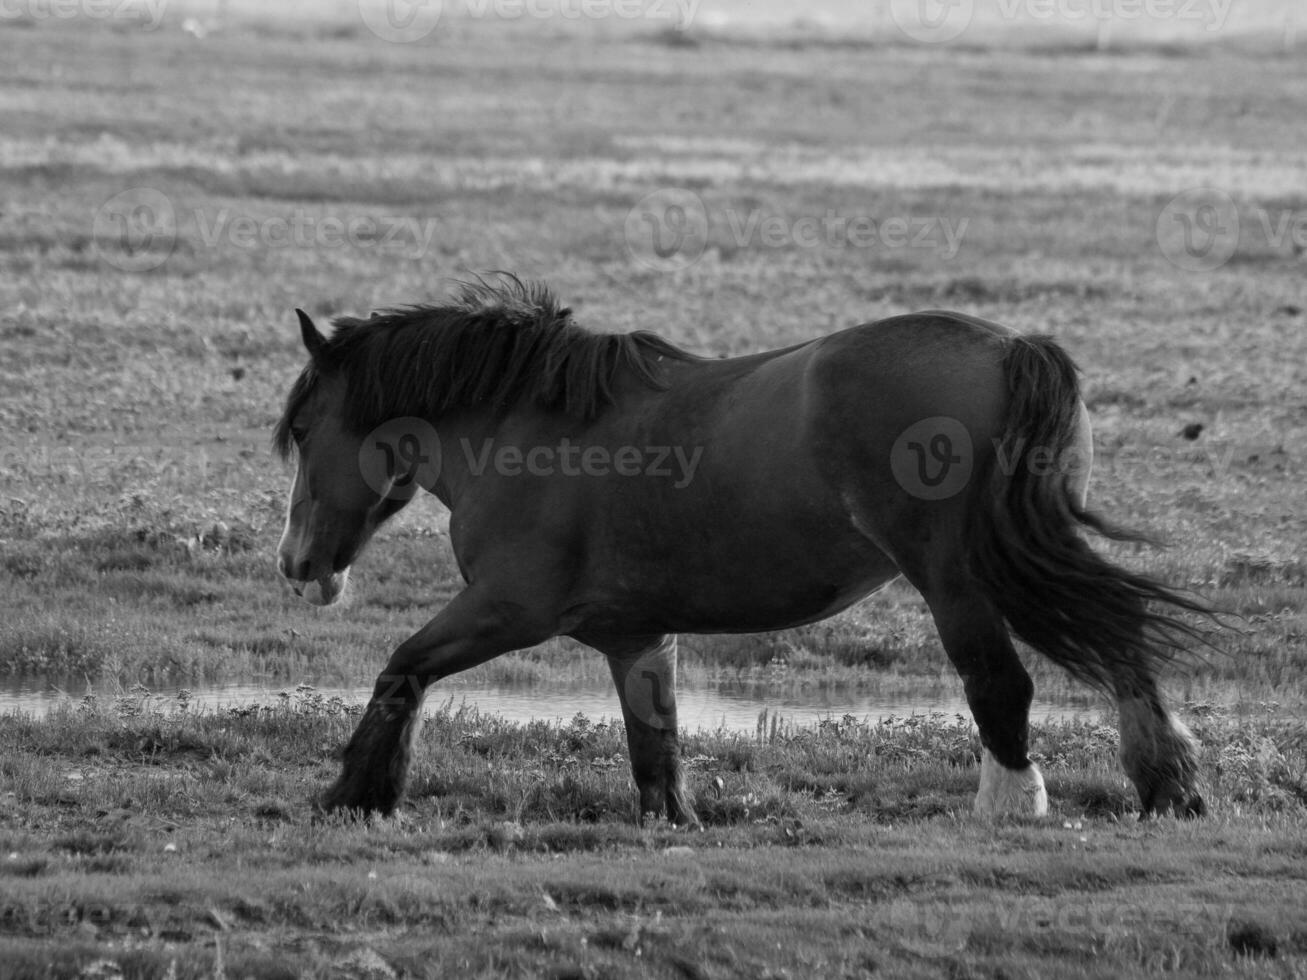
(497, 345)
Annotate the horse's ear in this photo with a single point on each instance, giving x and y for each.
(313, 339)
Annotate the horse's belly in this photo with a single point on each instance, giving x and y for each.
(799, 610)
(764, 593)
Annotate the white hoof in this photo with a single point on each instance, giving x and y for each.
(1004, 790)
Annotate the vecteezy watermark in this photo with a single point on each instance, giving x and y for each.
(571, 459)
(115, 467)
(1211, 14)
(405, 234)
(147, 14)
(401, 21)
(138, 229)
(649, 686)
(43, 917)
(403, 455)
(400, 457)
(669, 229)
(835, 230)
(1198, 230)
(932, 21)
(679, 13)
(406, 21)
(932, 459)
(937, 928)
(1201, 229)
(940, 21)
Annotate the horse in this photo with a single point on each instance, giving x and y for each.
(619, 490)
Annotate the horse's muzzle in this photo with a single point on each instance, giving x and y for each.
(322, 591)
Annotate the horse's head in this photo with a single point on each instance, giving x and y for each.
(335, 502)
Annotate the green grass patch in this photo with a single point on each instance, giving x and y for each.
(172, 841)
(140, 507)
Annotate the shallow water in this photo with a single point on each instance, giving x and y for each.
(724, 706)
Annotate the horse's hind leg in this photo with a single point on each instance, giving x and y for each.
(644, 671)
(999, 692)
(1158, 752)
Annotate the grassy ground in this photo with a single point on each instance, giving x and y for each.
(139, 506)
(175, 845)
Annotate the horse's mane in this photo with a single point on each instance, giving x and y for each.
(497, 345)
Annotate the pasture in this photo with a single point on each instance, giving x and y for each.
(169, 199)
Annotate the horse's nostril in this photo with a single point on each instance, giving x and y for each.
(293, 570)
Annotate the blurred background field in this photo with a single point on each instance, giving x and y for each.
(991, 22)
(175, 178)
(304, 160)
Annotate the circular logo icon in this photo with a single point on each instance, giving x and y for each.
(928, 930)
(932, 459)
(932, 21)
(650, 688)
(667, 230)
(401, 21)
(135, 230)
(400, 457)
(1198, 230)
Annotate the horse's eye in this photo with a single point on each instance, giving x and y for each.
(299, 433)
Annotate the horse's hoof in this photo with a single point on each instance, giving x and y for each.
(356, 803)
(1182, 806)
(1019, 792)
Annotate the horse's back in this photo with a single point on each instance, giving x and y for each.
(881, 377)
(795, 445)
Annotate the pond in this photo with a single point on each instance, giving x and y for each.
(735, 707)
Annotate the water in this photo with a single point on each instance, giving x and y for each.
(733, 708)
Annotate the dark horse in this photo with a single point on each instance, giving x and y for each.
(618, 490)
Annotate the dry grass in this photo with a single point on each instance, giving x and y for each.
(139, 506)
(179, 844)
(136, 483)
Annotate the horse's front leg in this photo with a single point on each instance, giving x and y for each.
(644, 671)
(469, 631)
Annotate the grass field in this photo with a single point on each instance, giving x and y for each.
(179, 845)
(144, 354)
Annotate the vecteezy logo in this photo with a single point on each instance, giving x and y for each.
(401, 21)
(932, 459)
(650, 688)
(928, 930)
(1198, 230)
(135, 230)
(667, 230)
(400, 457)
(932, 21)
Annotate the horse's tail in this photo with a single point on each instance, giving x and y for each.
(1103, 624)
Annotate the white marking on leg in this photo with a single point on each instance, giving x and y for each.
(1004, 790)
